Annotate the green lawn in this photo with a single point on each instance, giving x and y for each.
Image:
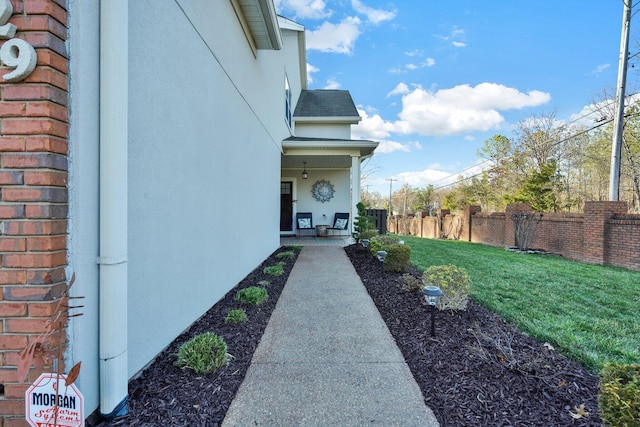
(589, 313)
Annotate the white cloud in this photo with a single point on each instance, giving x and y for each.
(428, 62)
(371, 127)
(312, 9)
(414, 52)
(420, 179)
(462, 108)
(375, 16)
(600, 68)
(335, 38)
(332, 84)
(311, 69)
(455, 37)
(400, 89)
(386, 147)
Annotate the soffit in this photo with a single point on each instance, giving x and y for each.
(260, 16)
(324, 153)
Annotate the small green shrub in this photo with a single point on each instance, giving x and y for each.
(454, 283)
(380, 242)
(286, 255)
(252, 295)
(368, 234)
(362, 223)
(411, 283)
(203, 354)
(619, 397)
(264, 283)
(274, 270)
(398, 257)
(236, 316)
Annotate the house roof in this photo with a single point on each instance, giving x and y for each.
(326, 105)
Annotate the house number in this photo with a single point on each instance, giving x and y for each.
(14, 53)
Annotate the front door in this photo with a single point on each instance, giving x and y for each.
(286, 206)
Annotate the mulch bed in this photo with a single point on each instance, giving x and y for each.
(478, 370)
(165, 395)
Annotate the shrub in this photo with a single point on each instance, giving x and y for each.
(236, 316)
(274, 270)
(411, 283)
(286, 255)
(252, 295)
(264, 283)
(203, 354)
(369, 234)
(362, 223)
(380, 242)
(398, 257)
(619, 397)
(454, 283)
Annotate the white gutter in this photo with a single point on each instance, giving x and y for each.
(113, 207)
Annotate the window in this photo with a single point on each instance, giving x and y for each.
(288, 115)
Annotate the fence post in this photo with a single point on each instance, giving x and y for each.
(594, 232)
(468, 212)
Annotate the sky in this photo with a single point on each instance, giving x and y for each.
(432, 80)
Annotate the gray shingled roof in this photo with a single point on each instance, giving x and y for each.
(325, 103)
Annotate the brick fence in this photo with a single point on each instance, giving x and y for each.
(605, 233)
(33, 194)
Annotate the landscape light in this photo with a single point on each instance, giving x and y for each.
(382, 255)
(432, 295)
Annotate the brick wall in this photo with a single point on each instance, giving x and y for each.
(33, 193)
(604, 234)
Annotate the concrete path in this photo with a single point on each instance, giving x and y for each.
(326, 357)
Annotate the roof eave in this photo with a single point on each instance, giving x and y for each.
(263, 23)
(328, 119)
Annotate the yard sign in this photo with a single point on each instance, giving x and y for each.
(40, 400)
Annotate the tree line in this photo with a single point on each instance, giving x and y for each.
(554, 166)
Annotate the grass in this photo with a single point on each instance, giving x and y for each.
(203, 353)
(589, 313)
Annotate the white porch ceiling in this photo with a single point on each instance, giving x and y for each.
(316, 162)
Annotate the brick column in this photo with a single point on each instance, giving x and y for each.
(509, 225)
(468, 212)
(596, 215)
(33, 197)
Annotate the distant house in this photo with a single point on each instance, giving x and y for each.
(145, 153)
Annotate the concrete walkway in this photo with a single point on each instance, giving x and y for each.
(326, 357)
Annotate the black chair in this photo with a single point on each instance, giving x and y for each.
(340, 223)
(304, 221)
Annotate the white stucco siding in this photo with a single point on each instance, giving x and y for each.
(203, 165)
(323, 212)
(323, 130)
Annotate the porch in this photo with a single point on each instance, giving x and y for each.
(316, 241)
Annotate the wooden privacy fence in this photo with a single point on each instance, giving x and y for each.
(605, 233)
(380, 218)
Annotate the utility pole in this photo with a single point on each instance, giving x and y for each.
(390, 186)
(618, 121)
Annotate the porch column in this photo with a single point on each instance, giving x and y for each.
(355, 187)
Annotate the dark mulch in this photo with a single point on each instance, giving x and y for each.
(478, 371)
(165, 395)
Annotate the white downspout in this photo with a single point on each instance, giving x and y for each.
(113, 207)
